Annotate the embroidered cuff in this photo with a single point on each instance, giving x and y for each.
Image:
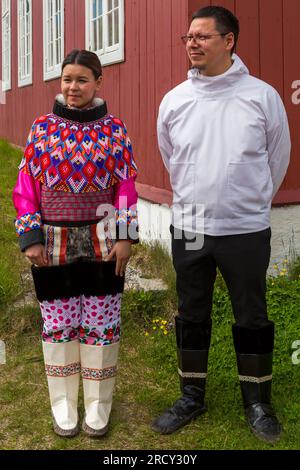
(127, 225)
(28, 222)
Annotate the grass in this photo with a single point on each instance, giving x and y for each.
(147, 379)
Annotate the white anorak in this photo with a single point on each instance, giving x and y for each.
(225, 142)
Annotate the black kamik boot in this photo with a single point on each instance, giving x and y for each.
(254, 352)
(193, 340)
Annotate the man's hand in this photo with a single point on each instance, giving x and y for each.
(37, 255)
(122, 252)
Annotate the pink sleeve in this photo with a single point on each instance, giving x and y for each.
(125, 195)
(26, 195)
(125, 201)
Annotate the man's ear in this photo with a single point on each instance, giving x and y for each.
(230, 41)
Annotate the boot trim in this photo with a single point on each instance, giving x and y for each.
(257, 380)
(99, 374)
(62, 371)
(192, 375)
(194, 336)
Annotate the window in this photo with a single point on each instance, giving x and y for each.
(6, 45)
(25, 42)
(105, 29)
(53, 38)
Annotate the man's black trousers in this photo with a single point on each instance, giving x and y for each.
(243, 261)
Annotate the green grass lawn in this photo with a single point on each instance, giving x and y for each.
(147, 379)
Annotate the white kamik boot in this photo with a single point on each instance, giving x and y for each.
(62, 365)
(99, 368)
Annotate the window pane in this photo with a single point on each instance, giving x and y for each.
(110, 5)
(100, 34)
(28, 65)
(116, 21)
(94, 9)
(27, 6)
(110, 29)
(50, 55)
(58, 58)
(100, 7)
(93, 36)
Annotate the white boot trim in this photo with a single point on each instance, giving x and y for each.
(192, 375)
(256, 380)
(99, 374)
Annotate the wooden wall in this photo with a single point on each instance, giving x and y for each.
(156, 62)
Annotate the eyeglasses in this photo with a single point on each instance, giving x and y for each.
(200, 38)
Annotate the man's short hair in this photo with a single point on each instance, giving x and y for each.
(226, 21)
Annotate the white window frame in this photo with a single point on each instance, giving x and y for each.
(6, 39)
(54, 71)
(107, 55)
(24, 47)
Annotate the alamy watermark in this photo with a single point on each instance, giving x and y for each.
(187, 220)
(296, 354)
(296, 94)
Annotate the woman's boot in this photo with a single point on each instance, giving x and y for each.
(62, 365)
(99, 369)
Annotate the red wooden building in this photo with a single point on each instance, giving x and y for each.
(139, 43)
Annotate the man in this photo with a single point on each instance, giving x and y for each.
(224, 139)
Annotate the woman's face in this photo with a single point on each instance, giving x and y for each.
(79, 86)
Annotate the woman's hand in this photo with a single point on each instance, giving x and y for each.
(122, 252)
(37, 255)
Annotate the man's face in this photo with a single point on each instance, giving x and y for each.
(211, 55)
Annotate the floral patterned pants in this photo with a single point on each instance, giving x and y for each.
(92, 320)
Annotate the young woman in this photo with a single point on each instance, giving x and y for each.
(78, 171)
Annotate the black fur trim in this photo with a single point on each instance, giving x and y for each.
(71, 280)
(195, 336)
(253, 341)
(80, 115)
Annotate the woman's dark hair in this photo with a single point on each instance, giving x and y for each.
(86, 58)
(226, 22)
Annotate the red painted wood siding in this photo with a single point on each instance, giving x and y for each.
(155, 63)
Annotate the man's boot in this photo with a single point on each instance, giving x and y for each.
(193, 341)
(62, 365)
(99, 369)
(254, 351)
